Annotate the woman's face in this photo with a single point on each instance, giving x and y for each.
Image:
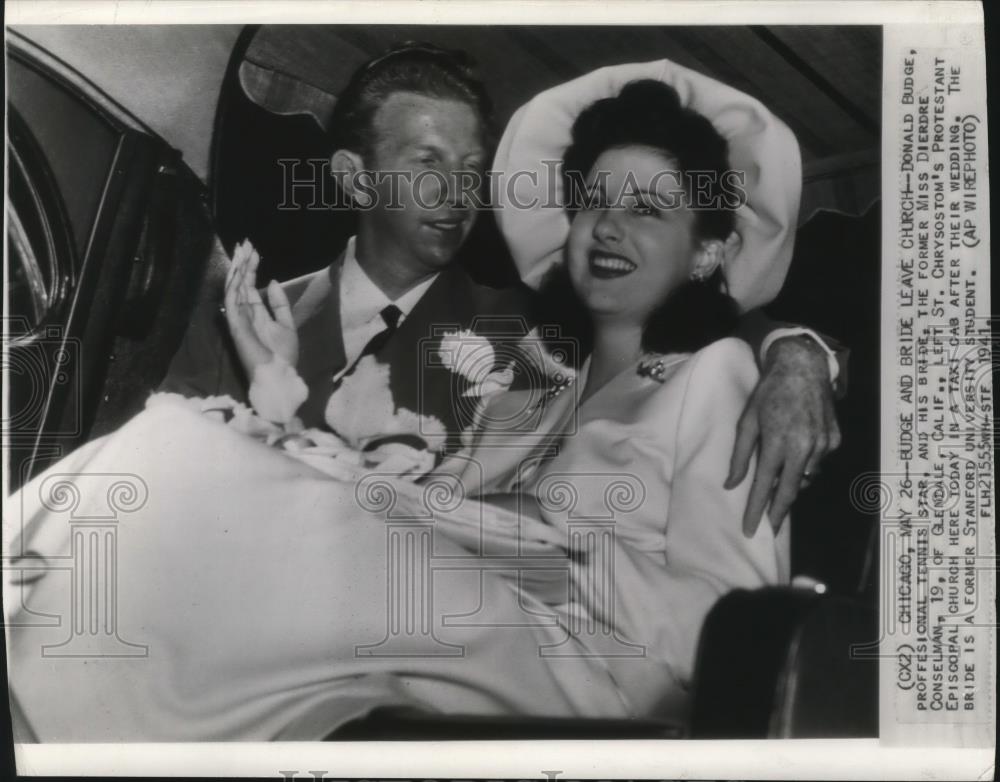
(634, 243)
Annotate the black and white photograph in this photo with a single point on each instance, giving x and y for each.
(425, 382)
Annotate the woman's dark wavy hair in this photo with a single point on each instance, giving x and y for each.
(416, 67)
(649, 113)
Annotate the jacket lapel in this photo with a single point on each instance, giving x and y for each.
(418, 380)
(316, 310)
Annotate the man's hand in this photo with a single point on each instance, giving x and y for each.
(258, 335)
(791, 414)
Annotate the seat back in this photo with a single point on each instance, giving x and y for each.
(786, 663)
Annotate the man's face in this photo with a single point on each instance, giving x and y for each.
(423, 214)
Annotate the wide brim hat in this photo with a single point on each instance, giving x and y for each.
(530, 192)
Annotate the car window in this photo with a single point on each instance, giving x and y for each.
(28, 291)
(41, 264)
(79, 145)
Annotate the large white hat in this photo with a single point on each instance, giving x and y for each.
(759, 144)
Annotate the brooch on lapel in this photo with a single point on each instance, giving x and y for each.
(652, 366)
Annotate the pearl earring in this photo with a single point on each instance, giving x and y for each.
(711, 259)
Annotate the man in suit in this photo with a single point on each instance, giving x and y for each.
(407, 129)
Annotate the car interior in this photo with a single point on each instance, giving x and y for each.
(112, 241)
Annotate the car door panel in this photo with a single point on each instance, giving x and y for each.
(118, 185)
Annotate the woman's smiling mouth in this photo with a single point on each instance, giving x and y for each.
(604, 265)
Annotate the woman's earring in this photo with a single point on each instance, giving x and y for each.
(708, 264)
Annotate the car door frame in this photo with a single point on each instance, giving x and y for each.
(74, 351)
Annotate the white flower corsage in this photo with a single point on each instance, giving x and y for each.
(472, 356)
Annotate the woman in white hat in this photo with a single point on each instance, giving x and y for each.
(645, 244)
(260, 599)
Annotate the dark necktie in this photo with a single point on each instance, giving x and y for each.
(390, 315)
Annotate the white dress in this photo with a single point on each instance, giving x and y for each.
(235, 593)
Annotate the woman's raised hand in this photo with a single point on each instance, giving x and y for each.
(259, 335)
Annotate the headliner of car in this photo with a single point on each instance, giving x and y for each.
(823, 81)
(169, 77)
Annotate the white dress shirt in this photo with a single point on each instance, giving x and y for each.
(362, 302)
